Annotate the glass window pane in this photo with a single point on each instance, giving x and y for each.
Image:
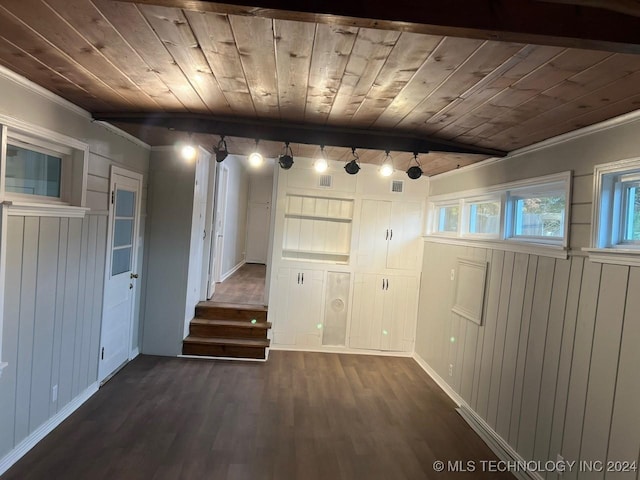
(484, 217)
(448, 219)
(123, 233)
(125, 203)
(121, 261)
(633, 219)
(541, 216)
(32, 173)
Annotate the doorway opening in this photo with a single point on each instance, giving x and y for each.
(241, 237)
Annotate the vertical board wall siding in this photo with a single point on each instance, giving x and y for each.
(52, 315)
(554, 367)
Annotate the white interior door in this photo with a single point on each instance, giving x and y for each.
(221, 210)
(120, 278)
(258, 219)
(198, 226)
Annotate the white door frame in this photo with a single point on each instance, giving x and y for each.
(114, 170)
(208, 282)
(220, 214)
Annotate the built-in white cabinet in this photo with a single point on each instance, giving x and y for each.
(317, 228)
(389, 235)
(384, 312)
(298, 306)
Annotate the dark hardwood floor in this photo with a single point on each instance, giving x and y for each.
(246, 286)
(299, 416)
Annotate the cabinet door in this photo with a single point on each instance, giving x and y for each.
(374, 234)
(400, 311)
(298, 307)
(404, 235)
(367, 312)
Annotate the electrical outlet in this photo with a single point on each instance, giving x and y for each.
(54, 394)
(451, 369)
(453, 274)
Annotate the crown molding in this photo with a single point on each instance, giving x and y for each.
(49, 95)
(122, 133)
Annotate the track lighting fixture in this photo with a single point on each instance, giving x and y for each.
(352, 167)
(188, 151)
(386, 169)
(221, 150)
(286, 159)
(415, 172)
(321, 163)
(256, 159)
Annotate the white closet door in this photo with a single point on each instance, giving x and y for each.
(374, 234)
(404, 237)
(400, 309)
(367, 312)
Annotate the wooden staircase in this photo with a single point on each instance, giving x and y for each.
(228, 330)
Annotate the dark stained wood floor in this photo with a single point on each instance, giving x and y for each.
(246, 286)
(301, 416)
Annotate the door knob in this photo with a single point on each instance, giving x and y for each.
(134, 275)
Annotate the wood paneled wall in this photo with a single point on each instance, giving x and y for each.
(553, 369)
(53, 312)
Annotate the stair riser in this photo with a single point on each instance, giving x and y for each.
(230, 314)
(226, 331)
(224, 351)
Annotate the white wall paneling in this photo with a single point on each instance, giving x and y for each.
(551, 369)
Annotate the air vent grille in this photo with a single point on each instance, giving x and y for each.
(397, 186)
(325, 181)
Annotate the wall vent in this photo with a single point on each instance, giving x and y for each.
(397, 186)
(325, 181)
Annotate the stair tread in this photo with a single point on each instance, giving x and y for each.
(230, 323)
(235, 306)
(243, 342)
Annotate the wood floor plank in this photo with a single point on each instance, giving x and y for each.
(300, 415)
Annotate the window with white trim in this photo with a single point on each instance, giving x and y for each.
(616, 222)
(483, 217)
(447, 219)
(39, 167)
(532, 211)
(538, 214)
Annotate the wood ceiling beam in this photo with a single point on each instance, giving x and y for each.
(559, 23)
(297, 133)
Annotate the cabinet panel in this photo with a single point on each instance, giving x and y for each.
(336, 306)
(366, 315)
(404, 238)
(384, 312)
(298, 307)
(374, 234)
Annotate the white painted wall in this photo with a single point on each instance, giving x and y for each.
(259, 215)
(553, 370)
(51, 327)
(235, 229)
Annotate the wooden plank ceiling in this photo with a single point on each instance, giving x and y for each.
(108, 56)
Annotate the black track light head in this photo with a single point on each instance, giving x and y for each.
(286, 159)
(221, 150)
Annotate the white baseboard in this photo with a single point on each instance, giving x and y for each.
(28, 443)
(495, 442)
(351, 351)
(232, 271)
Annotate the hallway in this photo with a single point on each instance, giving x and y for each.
(246, 286)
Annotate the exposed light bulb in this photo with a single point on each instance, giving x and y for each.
(386, 169)
(188, 152)
(321, 165)
(255, 159)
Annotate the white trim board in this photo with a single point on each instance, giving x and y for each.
(553, 251)
(122, 133)
(36, 436)
(232, 359)
(232, 271)
(494, 441)
(345, 350)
